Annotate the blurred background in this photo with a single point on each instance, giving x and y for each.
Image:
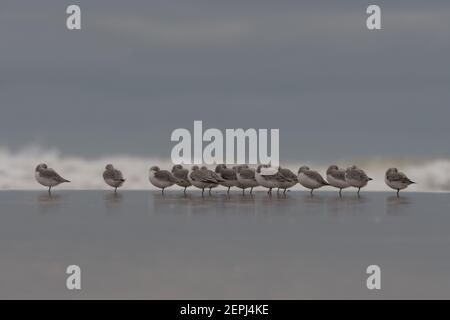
(114, 91)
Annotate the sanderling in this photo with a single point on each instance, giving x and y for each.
(310, 179)
(161, 178)
(113, 177)
(269, 181)
(356, 177)
(182, 175)
(246, 178)
(397, 180)
(214, 178)
(48, 177)
(288, 179)
(200, 178)
(336, 178)
(228, 175)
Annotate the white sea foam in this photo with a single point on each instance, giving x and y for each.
(17, 170)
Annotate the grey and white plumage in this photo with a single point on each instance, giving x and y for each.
(310, 179)
(181, 174)
(287, 179)
(200, 178)
(246, 178)
(336, 178)
(228, 175)
(113, 177)
(161, 178)
(48, 177)
(397, 180)
(269, 181)
(356, 177)
(214, 178)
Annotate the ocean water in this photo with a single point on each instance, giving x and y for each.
(143, 245)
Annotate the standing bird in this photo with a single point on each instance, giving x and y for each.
(214, 178)
(310, 179)
(356, 177)
(397, 180)
(182, 175)
(161, 178)
(200, 178)
(336, 178)
(289, 179)
(48, 177)
(113, 177)
(246, 178)
(228, 175)
(267, 178)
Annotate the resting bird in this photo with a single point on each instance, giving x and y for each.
(397, 180)
(48, 177)
(161, 178)
(310, 179)
(182, 175)
(228, 175)
(336, 178)
(356, 177)
(113, 177)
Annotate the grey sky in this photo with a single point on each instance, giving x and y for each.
(140, 69)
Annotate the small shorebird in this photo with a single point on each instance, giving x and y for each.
(113, 177)
(214, 178)
(48, 177)
(161, 178)
(336, 178)
(269, 181)
(397, 180)
(246, 178)
(310, 179)
(200, 178)
(288, 179)
(182, 175)
(228, 175)
(356, 177)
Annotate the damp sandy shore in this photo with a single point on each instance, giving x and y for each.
(140, 244)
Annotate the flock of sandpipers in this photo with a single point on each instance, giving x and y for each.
(241, 176)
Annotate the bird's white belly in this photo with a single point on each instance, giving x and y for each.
(287, 184)
(307, 182)
(114, 183)
(229, 183)
(158, 182)
(46, 181)
(247, 183)
(356, 183)
(271, 183)
(396, 185)
(337, 183)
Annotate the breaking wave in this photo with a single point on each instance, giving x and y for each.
(17, 170)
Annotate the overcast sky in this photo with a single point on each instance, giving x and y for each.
(140, 69)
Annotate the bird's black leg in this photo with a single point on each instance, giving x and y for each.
(340, 192)
(50, 190)
(359, 189)
(269, 191)
(284, 192)
(209, 192)
(251, 190)
(398, 193)
(203, 191)
(228, 191)
(162, 191)
(243, 191)
(312, 192)
(184, 190)
(115, 190)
